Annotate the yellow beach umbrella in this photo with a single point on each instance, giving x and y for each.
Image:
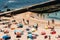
(46, 27)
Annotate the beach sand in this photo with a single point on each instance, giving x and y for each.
(41, 27)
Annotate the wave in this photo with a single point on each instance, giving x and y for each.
(11, 1)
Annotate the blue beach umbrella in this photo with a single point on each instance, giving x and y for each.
(20, 25)
(30, 36)
(6, 37)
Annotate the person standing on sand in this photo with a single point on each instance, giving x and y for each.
(0, 18)
(48, 23)
(27, 21)
(48, 14)
(9, 25)
(43, 16)
(24, 21)
(53, 21)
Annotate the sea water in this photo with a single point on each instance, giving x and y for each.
(14, 4)
(54, 15)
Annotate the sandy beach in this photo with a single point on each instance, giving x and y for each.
(41, 26)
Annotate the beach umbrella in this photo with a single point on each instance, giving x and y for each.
(35, 26)
(46, 27)
(6, 37)
(20, 25)
(53, 32)
(33, 29)
(30, 36)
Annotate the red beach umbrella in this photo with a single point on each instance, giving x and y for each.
(53, 32)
